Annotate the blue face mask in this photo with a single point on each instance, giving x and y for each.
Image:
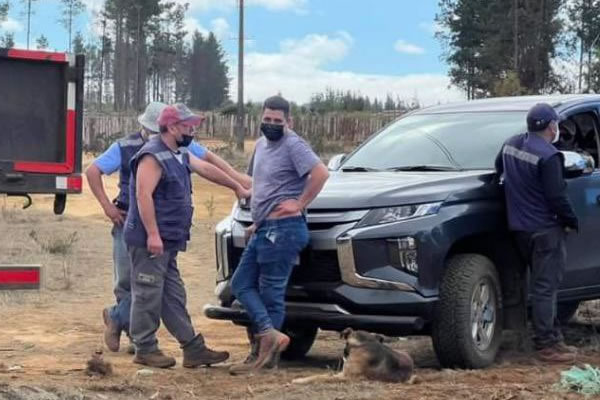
(272, 132)
(185, 141)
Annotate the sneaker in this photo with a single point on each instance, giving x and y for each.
(553, 354)
(155, 359)
(112, 333)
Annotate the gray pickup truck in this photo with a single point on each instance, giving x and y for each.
(409, 235)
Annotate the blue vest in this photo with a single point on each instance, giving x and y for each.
(172, 199)
(128, 147)
(527, 207)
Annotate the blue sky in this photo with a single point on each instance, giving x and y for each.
(298, 47)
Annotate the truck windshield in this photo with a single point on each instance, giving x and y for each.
(438, 142)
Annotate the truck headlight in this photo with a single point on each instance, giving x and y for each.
(388, 215)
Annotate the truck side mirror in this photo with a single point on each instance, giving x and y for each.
(335, 162)
(577, 164)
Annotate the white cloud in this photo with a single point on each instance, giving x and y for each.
(431, 27)
(297, 72)
(274, 5)
(402, 46)
(191, 25)
(94, 6)
(11, 25)
(221, 28)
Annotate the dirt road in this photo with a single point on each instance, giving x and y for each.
(47, 337)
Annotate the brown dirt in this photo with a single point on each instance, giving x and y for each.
(47, 337)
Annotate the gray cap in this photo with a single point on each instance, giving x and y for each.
(150, 116)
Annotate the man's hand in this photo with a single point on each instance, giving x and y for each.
(249, 231)
(115, 214)
(287, 208)
(154, 245)
(242, 193)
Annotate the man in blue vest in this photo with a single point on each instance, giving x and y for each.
(117, 158)
(540, 215)
(156, 229)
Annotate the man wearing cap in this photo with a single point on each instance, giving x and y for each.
(540, 215)
(117, 158)
(156, 229)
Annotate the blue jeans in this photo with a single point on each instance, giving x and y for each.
(261, 278)
(122, 280)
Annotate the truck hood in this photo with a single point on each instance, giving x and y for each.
(361, 190)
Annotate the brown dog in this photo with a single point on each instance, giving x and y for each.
(366, 357)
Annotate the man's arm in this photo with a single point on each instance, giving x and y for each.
(147, 177)
(316, 180)
(555, 191)
(94, 178)
(242, 179)
(216, 175)
(314, 184)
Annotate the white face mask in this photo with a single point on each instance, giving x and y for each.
(556, 131)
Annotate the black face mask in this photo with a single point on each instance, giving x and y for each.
(185, 141)
(272, 132)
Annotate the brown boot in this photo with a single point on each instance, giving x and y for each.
(112, 333)
(271, 344)
(564, 348)
(253, 355)
(553, 354)
(131, 348)
(196, 353)
(155, 359)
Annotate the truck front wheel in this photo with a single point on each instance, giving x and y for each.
(467, 326)
(301, 340)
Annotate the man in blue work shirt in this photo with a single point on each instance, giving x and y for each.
(117, 158)
(540, 215)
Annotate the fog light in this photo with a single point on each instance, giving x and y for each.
(407, 254)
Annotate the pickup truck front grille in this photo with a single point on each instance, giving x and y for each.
(317, 266)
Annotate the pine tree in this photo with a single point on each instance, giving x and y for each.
(71, 9)
(41, 43)
(29, 11)
(78, 44)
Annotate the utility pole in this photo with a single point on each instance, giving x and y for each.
(137, 62)
(240, 105)
(589, 68)
(102, 59)
(28, 21)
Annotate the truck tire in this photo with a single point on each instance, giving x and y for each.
(467, 326)
(301, 340)
(566, 311)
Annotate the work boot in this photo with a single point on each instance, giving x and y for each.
(196, 353)
(130, 348)
(112, 333)
(155, 359)
(564, 348)
(271, 344)
(553, 354)
(253, 355)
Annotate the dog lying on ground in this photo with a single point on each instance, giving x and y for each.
(366, 357)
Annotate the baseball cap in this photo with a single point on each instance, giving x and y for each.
(540, 116)
(177, 113)
(150, 116)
